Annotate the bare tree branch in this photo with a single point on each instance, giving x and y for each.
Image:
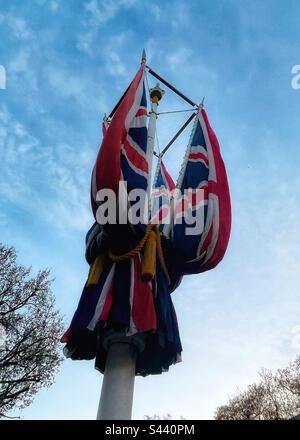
(33, 327)
(275, 397)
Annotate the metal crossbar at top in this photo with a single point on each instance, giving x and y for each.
(166, 83)
(176, 111)
(180, 94)
(183, 127)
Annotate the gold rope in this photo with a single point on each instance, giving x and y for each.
(161, 257)
(140, 246)
(96, 270)
(152, 242)
(148, 268)
(135, 250)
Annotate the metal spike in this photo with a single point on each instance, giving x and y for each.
(202, 102)
(144, 58)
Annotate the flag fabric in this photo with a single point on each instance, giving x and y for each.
(121, 300)
(116, 297)
(93, 193)
(163, 186)
(123, 153)
(203, 170)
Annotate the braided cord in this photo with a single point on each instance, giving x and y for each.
(135, 250)
(139, 247)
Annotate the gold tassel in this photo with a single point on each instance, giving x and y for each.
(149, 258)
(96, 270)
(161, 257)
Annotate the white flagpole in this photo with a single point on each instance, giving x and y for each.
(156, 93)
(118, 381)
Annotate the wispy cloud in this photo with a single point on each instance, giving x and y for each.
(57, 187)
(104, 10)
(17, 25)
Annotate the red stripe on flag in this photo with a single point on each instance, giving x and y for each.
(143, 310)
(109, 153)
(222, 190)
(65, 337)
(168, 178)
(135, 157)
(160, 215)
(141, 112)
(199, 156)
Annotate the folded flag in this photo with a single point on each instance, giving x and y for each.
(123, 153)
(203, 183)
(161, 195)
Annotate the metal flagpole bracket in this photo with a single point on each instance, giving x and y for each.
(166, 83)
(185, 98)
(177, 111)
(178, 134)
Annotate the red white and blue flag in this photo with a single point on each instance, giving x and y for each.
(163, 186)
(123, 153)
(120, 300)
(203, 170)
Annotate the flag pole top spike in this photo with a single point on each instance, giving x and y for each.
(144, 57)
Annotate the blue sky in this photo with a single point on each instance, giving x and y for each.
(66, 64)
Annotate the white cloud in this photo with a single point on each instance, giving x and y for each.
(54, 5)
(18, 26)
(154, 10)
(77, 86)
(114, 65)
(181, 56)
(180, 15)
(103, 11)
(49, 181)
(85, 40)
(21, 65)
(20, 62)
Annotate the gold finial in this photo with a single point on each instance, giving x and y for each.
(156, 93)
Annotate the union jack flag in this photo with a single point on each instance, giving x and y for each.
(121, 300)
(163, 186)
(93, 194)
(203, 170)
(123, 153)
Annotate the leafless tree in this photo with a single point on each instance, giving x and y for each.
(29, 333)
(276, 396)
(162, 417)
